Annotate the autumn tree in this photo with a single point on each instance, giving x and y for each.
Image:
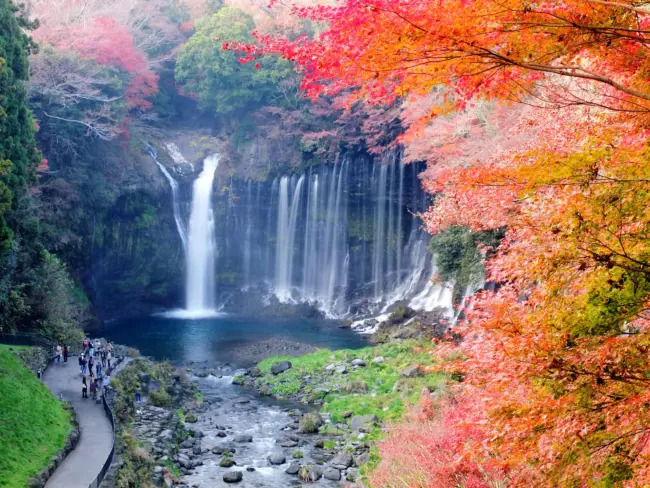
(560, 348)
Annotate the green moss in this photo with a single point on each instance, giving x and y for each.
(34, 425)
(377, 388)
(297, 454)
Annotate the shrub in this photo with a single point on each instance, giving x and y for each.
(297, 454)
(160, 398)
(310, 422)
(423, 449)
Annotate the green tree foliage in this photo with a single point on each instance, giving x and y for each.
(216, 77)
(18, 154)
(36, 292)
(57, 305)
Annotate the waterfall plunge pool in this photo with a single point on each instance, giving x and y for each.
(219, 338)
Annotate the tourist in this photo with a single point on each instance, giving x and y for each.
(96, 386)
(66, 352)
(98, 368)
(91, 361)
(108, 359)
(83, 364)
(103, 357)
(58, 353)
(84, 388)
(85, 345)
(91, 349)
(105, 382)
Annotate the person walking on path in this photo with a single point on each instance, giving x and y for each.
(98, 368)
(103, 356)
(108, 359)
(58, 353)
(91, 361)
(91, 350)
(105, 382)
(84, 388)
(66, 352)
(83, 362)
(95, 388)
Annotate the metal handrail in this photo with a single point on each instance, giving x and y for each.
(109, 460)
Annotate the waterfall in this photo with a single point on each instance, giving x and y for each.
(343, 236)
(176, 207)
(201, 249)
(286, 237)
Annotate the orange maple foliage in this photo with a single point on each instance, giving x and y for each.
(561, 346)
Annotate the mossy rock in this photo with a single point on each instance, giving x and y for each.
(227, 462)
(190, 418)
(329, 429)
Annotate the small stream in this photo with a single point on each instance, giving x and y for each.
(241, 412)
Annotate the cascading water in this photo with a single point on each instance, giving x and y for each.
(176, 207)
(200, 290)
(343, 236)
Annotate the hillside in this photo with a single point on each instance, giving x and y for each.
(33, 423)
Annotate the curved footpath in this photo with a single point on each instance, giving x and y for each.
(82, 465)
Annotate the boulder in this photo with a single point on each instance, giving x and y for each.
(342, 460)
(378, 360)
(352, 474)
(280, 367)
(233, 476)
(244, 438)
(293, 468)
(342, 369)
(277, 457)
(358, 362)
(227, 462)
(363, 422)
(332, 474)
(411, 372)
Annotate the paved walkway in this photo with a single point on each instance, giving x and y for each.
(83, 464)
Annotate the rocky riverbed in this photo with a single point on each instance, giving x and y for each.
(229, 435)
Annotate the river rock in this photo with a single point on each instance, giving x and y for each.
(280, 367)
(411, 372)
(378, 360)
(342, 369)
(363, 422)
(352, 474)
(293, 468)
(358, 362)
(233, 476)
(277, 457)
(342, 460)
(244, 438)
(332, 474)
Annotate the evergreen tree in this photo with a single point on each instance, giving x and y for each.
(18, 154)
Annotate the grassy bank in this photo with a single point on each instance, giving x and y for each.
(33, 423)
(383, 386)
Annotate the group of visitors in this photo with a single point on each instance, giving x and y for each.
(62, 351)
(92, 361)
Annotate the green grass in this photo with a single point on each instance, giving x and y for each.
(347, 393)
(33, 423)
(4, 347)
